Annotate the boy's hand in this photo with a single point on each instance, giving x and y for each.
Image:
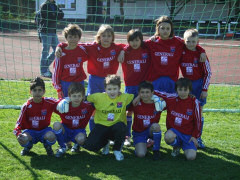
(58, 52)
(204, 95)
(194, 140)
(60, 95)
(121, 57)
(63, 105)
(160, 104)
(136, 101)
(153, 38)
(203, 57)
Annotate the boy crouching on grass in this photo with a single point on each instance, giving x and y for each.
(146, 122)
(35, 118)
(73, 124)
(183, 119)
(110, 118)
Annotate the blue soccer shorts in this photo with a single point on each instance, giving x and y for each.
(184, 140)
(95, 84)
(65, 86)
(132, 90)
(164, 84)
(140, 137)
(37, 136)
(70, 134)
(197, 90)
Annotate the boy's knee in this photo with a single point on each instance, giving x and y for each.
(80, 138)
(190, 155)
(50, 136)
(57, 126)
(169, 137)
(155, 127)
(140, 154)
(23, 140)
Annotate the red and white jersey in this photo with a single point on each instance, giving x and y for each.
(77, 117)
(69, 67)
(144, 116)
(182, 114)
(165, 57)
(35, 116)
(193, 69)
(136, 65)
(103, 61)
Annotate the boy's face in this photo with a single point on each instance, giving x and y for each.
(106, 39)
(112, 90)
(76, 98)
(37, 94)
(164, 30)
(145, 95)
(73, 39)
(191, 42)
(183, 92)
(136, 43)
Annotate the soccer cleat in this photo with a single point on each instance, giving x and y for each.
(48, 149)
(200, 143)
(68, 145)
(150, 143)
(61, 152)
(105, 149)
(47, 74)
(156, 155)
(25, 151)
(111, 143)
(75, 148)
(127, 141)
(175, 151)
(118, 155)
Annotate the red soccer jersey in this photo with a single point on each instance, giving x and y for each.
(193, 69)
(136, 65)
(144, 116)
(165, 57)
(182, 114)
(77, 117)
(35, 116)
(69, 67)
(103, 61)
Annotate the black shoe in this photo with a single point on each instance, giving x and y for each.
(25, 151)
(48, 150)
(156, 155)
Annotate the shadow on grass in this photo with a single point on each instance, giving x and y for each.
(211, 164)
(34, 175)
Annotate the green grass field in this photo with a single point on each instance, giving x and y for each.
(220, 160)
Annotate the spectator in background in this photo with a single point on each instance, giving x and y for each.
(50, 14)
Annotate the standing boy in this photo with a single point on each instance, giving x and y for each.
(146, 122)
(195, 70)
(35, 118)
(73, 124)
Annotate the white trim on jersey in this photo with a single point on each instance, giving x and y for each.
(55, 78)
(207, 75)
(198, 116)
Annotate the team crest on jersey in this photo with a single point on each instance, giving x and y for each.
(172, 49)
(79, 59)
(119, 104)
(30, 106)
(144, 55)
(84, 111)
(113, 52)
(189, 112)
(44, 112)
(195, 60)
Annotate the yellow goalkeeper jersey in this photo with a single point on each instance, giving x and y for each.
(110, 111)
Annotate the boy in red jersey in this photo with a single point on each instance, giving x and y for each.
(183, 119)
(166, 51)
(198, 72)
(69, 68)
(135, 69)
(35, 118)
(146, 122)
(73, 124)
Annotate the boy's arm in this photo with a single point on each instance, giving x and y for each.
(197, 120)
(203, 56)
(57, 74)
(22, 118)
(206, 78)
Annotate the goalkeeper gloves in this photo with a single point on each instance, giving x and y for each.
(160, 104)
(63, 105)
